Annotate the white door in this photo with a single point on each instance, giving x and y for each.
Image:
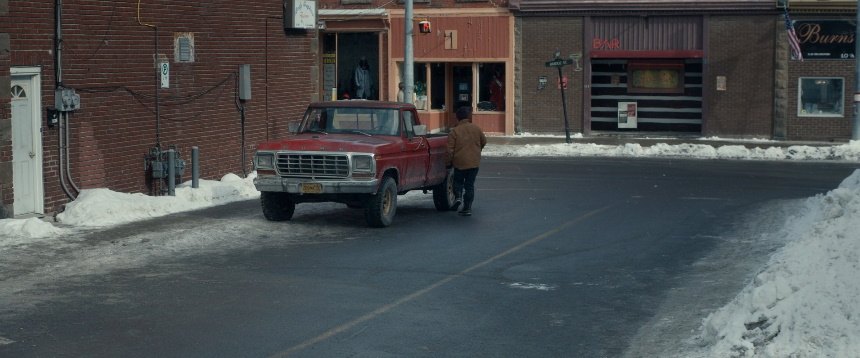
(26, 144)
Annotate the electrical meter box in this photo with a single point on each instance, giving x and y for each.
(628, 114)
(66, 100)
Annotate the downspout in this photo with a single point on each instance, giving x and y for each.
(157, 78)
(68, 160)
(58, 82)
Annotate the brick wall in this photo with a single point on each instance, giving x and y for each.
(5, 127)
(5, 115)
(540, 111)
(108, 59)
(741, 48)
(819, 128)
(417, 4)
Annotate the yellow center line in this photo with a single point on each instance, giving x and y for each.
(381, 310)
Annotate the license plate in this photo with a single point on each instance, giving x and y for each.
(310, 188)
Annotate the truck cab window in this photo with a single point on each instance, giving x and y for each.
(408, 122)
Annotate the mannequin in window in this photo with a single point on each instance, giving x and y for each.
(362, 79)
(497, 90)
(401, 93)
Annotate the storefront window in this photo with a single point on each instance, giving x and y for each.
(420, 76)
(655, 77)
(491, 91)
(821, 97)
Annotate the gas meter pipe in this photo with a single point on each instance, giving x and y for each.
(62, 143)
(171, 172)
(195, 167)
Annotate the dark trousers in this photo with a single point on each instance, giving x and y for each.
(464, 185)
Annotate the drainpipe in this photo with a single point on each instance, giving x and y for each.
(58, 82)
(68, 157)
(157, 79)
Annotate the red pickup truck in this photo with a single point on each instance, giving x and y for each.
(360, 153)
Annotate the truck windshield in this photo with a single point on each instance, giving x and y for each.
(373, 121)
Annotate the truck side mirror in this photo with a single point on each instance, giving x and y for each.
(420, 129)
(293, 126)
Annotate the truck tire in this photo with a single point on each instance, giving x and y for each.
(277, 206)
(381, 207)
(443, 194)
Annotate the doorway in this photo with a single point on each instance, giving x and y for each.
(351, 63)
(27, 180)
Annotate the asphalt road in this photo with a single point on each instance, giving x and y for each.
(574, 257)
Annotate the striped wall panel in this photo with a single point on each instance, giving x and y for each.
(681, 112)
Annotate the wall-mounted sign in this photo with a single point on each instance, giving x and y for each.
(721, 83)
(826, 39)
(300, 14)
(164, 70)
(542, 80)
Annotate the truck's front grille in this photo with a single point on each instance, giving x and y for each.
(313, 165)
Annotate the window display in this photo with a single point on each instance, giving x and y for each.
(821, 97)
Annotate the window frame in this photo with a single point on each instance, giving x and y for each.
(802, 109)
(181, 38)
(672, 66)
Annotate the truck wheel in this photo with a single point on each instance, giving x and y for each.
(277, 206)
(443, 194)
(381, 207)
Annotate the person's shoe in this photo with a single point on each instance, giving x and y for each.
(465, 212)
(457, 202)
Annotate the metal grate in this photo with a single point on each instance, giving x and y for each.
(313, 165)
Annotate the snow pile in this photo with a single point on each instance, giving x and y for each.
(804, 302)
(22, 231)
(103, 207)
(845, 152)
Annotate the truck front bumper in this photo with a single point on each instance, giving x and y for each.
(295, 185)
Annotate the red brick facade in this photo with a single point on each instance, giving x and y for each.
(818, 128)
(109, 59)
(5, 116)
(741, 48)
(540, 110)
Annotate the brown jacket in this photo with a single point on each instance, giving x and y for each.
(465, 143)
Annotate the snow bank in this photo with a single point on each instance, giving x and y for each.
(804, 302)
(844, 152)
(103, 207)
(21, 231)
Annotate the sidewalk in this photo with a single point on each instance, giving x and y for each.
(649, 139)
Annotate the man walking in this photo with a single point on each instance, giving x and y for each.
(465, 143)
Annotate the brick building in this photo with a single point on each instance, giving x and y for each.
(713, 68)
(466, 57)
(111, 54)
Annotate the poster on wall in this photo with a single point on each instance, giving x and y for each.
(826, 39)
(330, 76)
(300, 14)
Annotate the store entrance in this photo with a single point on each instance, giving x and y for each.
(646, 95)
(462, 85)
(351, 65)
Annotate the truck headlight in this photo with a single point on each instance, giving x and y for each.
(362, 163)
(264, 161)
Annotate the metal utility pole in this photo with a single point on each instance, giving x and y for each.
(408, 56)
